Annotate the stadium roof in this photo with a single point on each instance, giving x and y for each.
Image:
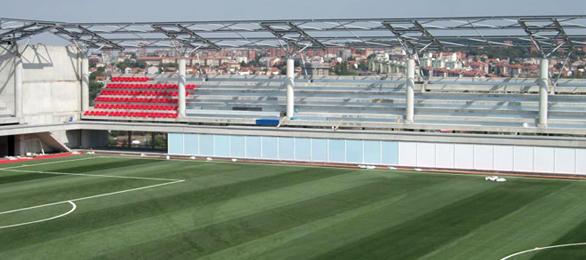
(546, 33)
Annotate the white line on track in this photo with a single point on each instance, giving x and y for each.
(92, 175)
(71, 201)
(73, 208)
(45, 163)
(542, 248)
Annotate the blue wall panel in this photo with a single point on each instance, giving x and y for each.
(303, 149)
(222, 145)
(372, 152)
(253, 147)
(390, 153)
(354, 151)
(337, 150)
(270, 147)
(286, 148)
(319, 150)
(191, 144)
(175, 144)
(237, 143)
(206, 145)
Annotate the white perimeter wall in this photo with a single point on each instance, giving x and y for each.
(493, 157)
(499, 158)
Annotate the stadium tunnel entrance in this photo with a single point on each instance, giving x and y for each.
(7, 146)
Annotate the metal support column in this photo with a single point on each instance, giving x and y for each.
(290, 88)
(182, 81)
(85, 81)
(410, 96)
(18, 100)
(543, 92)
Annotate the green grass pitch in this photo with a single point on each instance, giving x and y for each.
(131, 208)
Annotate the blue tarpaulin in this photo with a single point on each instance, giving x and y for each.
(267, 122)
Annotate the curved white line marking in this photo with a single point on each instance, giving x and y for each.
(73, 208)
(543, 248)
(71, 201)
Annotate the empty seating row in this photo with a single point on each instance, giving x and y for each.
(149, 86)
(140, 93)
(130, 79)
(136, 100)
(135, 107)
(131, 114)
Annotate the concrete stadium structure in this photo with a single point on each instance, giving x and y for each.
(506, 125)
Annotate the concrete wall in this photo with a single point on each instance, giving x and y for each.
(6, 83)
(51, 84)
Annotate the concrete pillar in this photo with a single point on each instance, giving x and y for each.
(182, 81)
(85, 83)
(410, 96)
(543, 92)
(18, 100)
(290, 88)
(20, 145)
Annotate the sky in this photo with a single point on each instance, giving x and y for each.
(185, 10)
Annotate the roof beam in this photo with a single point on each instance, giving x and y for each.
(305, 35)
(547, 33)
(198, 37)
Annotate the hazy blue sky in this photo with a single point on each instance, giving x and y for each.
(171, 10)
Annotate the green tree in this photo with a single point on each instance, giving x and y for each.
(94, 87)
(341, 69)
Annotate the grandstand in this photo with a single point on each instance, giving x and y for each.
(386, 165)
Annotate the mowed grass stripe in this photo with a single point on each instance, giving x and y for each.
(152, 206)
(424, 234)
(10, 178)
(95, 164)
(82, 187)
(122, 235)
(300, 216)
(325, 228)
(212, 238)
(517, 231)
(575, 235)
(416, 203)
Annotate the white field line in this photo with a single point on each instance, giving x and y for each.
(93, 196)
(73, 207)
(542, 248)
(45, 163)
(91, 175)
(71, 201)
